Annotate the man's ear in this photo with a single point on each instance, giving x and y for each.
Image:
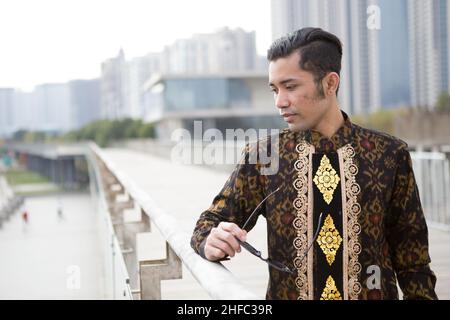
(330, 83)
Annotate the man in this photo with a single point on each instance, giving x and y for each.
(348, 220)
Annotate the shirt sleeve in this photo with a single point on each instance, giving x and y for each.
(239, 196)
(408, 234)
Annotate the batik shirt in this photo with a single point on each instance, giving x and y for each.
(356, 191)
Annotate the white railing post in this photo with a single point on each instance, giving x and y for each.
(433, 180)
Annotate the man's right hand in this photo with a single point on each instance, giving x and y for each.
(222, 241)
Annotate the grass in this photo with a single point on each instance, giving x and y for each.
(16, 177)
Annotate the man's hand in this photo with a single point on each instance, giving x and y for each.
(222, 241)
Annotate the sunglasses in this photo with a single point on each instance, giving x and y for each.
(275, 264)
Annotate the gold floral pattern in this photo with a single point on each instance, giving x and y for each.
(330, 292)
(329, 239)
(352, 228)
(326, 179)
(300, 222)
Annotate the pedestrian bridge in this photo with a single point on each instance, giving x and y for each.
(132, 232)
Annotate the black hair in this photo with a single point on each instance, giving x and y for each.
(320, 52)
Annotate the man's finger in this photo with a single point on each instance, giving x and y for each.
(212, 253)
(234, 229)
(229, 238)
(223, 246)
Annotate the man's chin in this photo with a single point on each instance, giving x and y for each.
(297, 127)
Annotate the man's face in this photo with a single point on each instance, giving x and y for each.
(295, 93)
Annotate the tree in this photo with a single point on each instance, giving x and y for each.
(147, 131)
(443, 102)
(19, 135)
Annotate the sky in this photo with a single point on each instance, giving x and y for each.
(47, 41)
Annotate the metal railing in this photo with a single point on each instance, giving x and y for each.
(115, 274)
(142, 279)
(432, 173)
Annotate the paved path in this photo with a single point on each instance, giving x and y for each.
(43, 258)
(186, 191)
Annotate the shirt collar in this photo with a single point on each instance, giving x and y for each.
(340, 138)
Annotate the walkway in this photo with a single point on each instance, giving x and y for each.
(51, 257)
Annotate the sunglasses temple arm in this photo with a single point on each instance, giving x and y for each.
(257, 207)
(247, 246)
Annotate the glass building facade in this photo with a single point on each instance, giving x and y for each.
(203, 94)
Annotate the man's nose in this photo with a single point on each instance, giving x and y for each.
(281, 101)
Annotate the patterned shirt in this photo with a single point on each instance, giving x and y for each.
(356, 191)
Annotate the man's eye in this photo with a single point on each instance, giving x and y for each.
(290, 87)
(273, 90)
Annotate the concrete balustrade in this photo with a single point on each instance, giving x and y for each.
(125, 199)
(144, 276)
(153, 271)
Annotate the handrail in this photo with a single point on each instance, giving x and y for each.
(218, 281)
(117, 288)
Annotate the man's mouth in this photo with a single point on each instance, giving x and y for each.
(288, 117)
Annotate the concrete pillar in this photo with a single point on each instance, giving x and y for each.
(153, 271)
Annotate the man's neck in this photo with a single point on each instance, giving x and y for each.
(331, 122)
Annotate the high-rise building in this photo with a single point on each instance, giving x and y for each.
(223, 51)
(84, 102)
(290, 15)
(26, 115)
(364, 59)
(443, 43)
(429, 26)
(52, 105)
(6, 111)
(122, 82)
(112, 87)
(394, 54)
(136, 73)
(57, 107)
(233, 50)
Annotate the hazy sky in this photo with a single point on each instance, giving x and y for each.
(58, 40)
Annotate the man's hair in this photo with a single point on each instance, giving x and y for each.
(320, 52)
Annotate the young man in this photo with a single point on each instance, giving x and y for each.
(348, 219)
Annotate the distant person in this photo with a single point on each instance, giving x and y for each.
(25, 216)
(59, 209)
(347, 222)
